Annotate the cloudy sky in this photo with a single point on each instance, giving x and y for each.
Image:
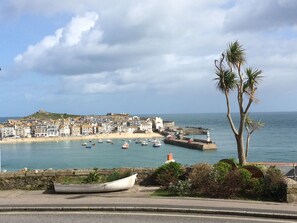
(140, 57)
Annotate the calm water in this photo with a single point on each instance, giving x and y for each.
(277, 141)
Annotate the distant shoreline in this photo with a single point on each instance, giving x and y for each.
(77, 138)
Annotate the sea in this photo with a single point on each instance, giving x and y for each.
(275, 142)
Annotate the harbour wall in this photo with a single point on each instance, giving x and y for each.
(195, 144)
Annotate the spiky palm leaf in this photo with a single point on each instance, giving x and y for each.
(226, 80)
(252, 124)
(252, 80)
(235, 54)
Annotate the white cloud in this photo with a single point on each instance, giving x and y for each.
(261, 15)
(161, 46)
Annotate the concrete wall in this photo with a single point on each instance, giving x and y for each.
(43, 180)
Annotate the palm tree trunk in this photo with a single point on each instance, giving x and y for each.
(240, 149)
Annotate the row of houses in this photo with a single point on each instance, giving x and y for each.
(82, 126)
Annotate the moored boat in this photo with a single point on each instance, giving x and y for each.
(144, 143)
(125, 145)
(117, 185)
(157, 144)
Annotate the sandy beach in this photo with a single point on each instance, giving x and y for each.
(89, 137)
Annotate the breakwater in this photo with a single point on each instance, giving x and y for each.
(197, 144)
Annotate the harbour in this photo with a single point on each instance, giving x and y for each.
(276, 142)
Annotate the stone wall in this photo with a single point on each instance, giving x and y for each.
(43, 180)
(291, 190)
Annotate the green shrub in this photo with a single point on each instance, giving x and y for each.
(113, 176)
(92, 177)
(274, 185)
(236, 183)
(168, 174)
(200, 179)
(116, 175)
(220, 171)
(181, 188)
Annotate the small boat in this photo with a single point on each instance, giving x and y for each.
(117, 185)
(125, 145)
(157, 144)
(88, 147)
(144, 143)
(100, 141)
(109, 141)
(84, 144)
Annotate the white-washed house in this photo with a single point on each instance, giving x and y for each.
(146, 126)
(39, 130)
(64, 130)
(23, 131)
(75, 130)
(86, 129)
(158, 124)
(52, 130)
(7, 131)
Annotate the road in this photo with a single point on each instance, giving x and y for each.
(128, 217)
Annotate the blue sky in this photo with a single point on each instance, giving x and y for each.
(140, 57)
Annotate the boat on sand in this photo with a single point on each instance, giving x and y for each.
(117, 185)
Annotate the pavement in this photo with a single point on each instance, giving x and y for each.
(140, 199)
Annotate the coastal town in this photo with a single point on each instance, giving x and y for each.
(44, 124)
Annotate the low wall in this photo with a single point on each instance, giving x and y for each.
(291, 191)
(43, 180)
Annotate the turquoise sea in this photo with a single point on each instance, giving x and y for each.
(276, 142)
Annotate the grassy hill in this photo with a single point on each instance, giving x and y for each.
(50, 115)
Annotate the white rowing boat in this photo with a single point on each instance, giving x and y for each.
(117, 185)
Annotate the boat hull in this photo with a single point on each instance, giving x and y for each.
(117, 185)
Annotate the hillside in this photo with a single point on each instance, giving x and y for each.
(50, 115)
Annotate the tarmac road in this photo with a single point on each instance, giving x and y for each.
(130, 217)
(139, 199)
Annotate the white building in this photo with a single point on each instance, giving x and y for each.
(7, 132)
(158, 124)
(40, 131)
(23, 131)
(146, 126)
(64, 130)
(52, 130)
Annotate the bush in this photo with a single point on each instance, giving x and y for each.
(220, 171)
(117, 175)
(168, 174)
(274, 185)
(236, 183)
(181, 188)
(200, 178)
(92, 177)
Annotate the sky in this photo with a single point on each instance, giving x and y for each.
(141, 57)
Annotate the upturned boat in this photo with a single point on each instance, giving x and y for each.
(117, 185)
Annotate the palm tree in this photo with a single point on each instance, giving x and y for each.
(231, 78)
